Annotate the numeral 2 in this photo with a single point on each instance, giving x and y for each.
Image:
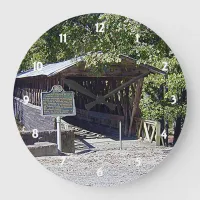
(165, 68)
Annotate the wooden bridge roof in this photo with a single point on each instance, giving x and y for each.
(75, 67)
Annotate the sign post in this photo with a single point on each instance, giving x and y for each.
(120, 134)
(59, 141)
(58, 103)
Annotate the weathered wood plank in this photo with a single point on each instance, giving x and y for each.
(135, 110)
(153, 132)
(158, 137)
(146, 131)
(109, 120)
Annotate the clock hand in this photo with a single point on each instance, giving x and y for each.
(79, 88)
(93, 103)
(124, 85)
(100, 100)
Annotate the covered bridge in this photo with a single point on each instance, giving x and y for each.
(101, 101)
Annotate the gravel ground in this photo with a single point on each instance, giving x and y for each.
(104, 164)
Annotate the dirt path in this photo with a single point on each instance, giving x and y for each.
(103, 164)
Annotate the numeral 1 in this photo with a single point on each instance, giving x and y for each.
(137, 37)
(100, 27)
(63, 38)
(37, 66)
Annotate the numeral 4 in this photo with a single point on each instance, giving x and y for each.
(164, 134)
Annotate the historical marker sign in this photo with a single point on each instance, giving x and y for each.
(58, 102)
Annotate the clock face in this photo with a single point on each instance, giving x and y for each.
(100, 100)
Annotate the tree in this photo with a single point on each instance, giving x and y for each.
(120, 36)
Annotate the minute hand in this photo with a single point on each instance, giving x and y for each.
(124, 85)
(79, 88)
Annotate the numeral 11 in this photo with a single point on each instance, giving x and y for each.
(63, 38)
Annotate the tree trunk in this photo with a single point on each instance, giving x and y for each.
(177, 130)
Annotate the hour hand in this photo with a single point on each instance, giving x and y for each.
(100, 100)
(79, 88)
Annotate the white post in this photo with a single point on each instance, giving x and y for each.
(59, 133)
(67, 127)
(120, 134)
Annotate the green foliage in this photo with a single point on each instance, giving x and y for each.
(119, 38)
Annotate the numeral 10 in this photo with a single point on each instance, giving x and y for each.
(37, 66)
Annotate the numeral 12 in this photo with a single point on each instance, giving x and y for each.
(100, 27)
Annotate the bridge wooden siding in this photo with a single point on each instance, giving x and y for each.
(126, 100)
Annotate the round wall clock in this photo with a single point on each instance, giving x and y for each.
(100, 100)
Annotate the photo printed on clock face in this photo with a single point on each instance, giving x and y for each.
(100, 100)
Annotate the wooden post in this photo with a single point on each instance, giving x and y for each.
(36, 90)
(158, 134)
(31, 90)
(120, 134)
(135, 111)
(153, 131)
(146, 131)
(40, 86)
(126, 110)
(117, 100)
(140, 128)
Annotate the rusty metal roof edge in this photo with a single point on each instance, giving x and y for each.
(74, 61)
(58, 71)
(153, 69)
(59, 68)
